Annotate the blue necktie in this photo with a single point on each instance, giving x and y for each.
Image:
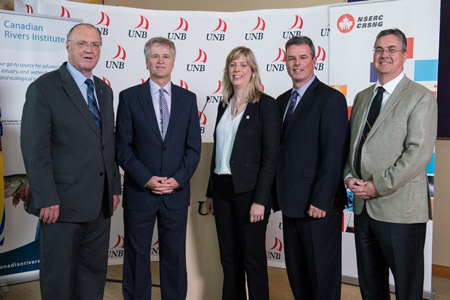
(164, 112)
(92, 103)
(290, 112)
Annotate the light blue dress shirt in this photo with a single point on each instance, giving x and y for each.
(79, 80)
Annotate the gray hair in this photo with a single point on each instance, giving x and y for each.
(395, 31)
(159, 40)
(69, 34)
(301, 40)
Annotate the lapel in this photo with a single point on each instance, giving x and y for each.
(358, 117)
(145, 99)
(175, 107)
(248, 118)
(393, 101)
(74, 94)
(305, 101)
(102, 102)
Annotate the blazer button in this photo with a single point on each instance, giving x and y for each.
(164, 148)
(101, 174)
(103, 147)
(160, 169)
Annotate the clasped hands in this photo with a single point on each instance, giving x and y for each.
(362, 189)
(162, 185)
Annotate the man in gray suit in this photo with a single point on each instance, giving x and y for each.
(67, 141)
(393, 130)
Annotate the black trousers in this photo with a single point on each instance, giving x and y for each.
(74, 259)
(384, 245)
(242, 244)
(313, 256)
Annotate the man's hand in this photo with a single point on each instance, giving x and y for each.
(256, 212)
(49, 214)
(162, 185)
(116, 201)
(362, 189)
(354, 183)
(209, 206)
(367, 191)
(315, 212)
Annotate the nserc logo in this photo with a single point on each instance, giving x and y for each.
(345, 23)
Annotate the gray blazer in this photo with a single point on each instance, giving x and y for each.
(67, 159)
(396, 153)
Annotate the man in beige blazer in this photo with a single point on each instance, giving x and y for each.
(390, 147)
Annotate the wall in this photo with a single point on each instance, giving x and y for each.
(230, 5)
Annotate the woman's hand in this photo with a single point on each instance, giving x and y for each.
(256, 212)
(209, 206)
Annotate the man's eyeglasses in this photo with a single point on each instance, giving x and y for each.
(380, 51)
(84, 44)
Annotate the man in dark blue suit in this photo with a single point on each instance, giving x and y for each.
(158, 145)
(309, 188)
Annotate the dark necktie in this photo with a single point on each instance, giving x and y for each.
(291, 109)
(164, 112)
(92, 103)
(371, 118)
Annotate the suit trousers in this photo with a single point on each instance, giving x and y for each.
(139, 224)
(242, 244)
(384, 245)
(74, 259)
(312, 250)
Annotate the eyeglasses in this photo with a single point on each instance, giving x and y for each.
(84, 44)
(380, 51)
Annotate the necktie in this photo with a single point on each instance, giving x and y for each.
(164, 112)
(291, 109)
(371, 118)
(92, 103)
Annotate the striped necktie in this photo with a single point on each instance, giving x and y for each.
(164, 112)
(92, 103)
(291, 108)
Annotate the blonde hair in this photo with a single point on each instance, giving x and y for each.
(253, 89)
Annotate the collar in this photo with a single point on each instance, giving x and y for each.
(301, 90)
(77, 75)
(391, 85)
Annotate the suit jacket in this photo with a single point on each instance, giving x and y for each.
(68, 160)
(142, 153)
(255, 150)
(396, 152)
(312, 152)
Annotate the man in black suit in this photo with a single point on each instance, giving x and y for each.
(67, 141)
(158, 145)
(309, 188)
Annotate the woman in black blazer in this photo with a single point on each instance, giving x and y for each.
(246, 147)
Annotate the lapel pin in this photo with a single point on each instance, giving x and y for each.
(247, 117)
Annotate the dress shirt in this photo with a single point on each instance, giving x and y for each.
(80, 81)
(301, 91)
(154, 91)
(225, 135)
